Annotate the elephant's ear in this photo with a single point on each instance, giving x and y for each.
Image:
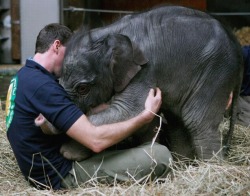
(126, 60)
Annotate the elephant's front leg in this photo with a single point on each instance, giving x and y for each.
(73, 150)
(122, 107)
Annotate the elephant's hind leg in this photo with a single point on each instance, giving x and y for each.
(208, 144)
(178, 139)
(205, 135)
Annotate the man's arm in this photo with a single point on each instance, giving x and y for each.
(98, 138)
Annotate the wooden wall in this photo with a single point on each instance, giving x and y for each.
(73, 19)
(95, 19)
(138, 5)
(143, 4)
(15, 30)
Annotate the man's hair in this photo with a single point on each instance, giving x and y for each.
(49, 34)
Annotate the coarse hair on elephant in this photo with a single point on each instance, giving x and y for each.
(192, 57)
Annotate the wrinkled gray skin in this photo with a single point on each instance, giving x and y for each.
(186, 53)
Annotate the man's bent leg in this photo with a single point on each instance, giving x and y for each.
(130, 165)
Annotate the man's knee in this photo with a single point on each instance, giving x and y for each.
(162, 157)
(158, 152)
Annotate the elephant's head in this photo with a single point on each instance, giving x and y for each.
(94, 70)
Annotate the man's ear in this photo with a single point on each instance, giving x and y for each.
(56, 44)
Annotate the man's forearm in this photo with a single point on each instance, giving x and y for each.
(111, 134)
(98, 138)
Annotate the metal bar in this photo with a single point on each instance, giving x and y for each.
(74, 9)
(231, 13)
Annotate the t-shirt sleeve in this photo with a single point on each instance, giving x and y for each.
(53, 102)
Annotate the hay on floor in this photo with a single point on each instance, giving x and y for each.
(214, 177)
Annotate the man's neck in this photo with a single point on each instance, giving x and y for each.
(44, 60)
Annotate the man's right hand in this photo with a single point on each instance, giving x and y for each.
(152, 103)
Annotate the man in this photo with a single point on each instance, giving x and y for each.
(35, 90)
(243, 115)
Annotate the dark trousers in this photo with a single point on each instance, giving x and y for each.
(140, 164)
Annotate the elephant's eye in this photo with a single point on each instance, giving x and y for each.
(83, 89)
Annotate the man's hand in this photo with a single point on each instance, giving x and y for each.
(153, 103)
(45, 125)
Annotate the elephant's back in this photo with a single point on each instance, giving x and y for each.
(179, 40)
(173, 30)
(169, 28)
(187, 49)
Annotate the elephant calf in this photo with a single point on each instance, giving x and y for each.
(193, 58)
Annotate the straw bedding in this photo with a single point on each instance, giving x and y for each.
(213, 177)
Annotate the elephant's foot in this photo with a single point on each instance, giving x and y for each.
(183, 153)
(72, 150)
(209, 149)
